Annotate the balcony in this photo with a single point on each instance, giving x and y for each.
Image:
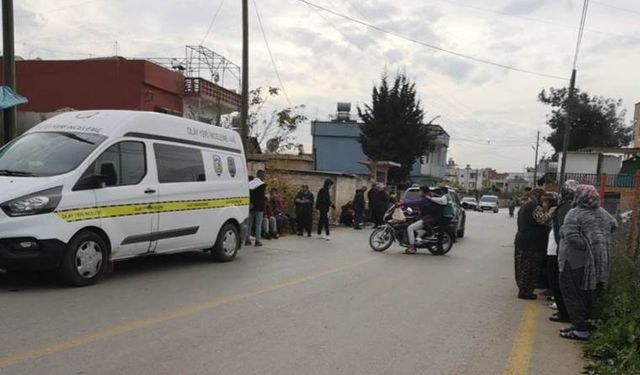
(203, 89)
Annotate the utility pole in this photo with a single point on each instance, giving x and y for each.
(9, 63)
(567, 127)
(244, 107)
(535, 162)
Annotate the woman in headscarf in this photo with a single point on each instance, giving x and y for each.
(567, 194)
(531, 243)
(583, 258)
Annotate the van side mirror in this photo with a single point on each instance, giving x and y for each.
(93, 181)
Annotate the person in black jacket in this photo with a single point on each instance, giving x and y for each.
(304, 210)
(359, 206)
(257, 190)
(378, 204)
(531, 243)
(323, 204)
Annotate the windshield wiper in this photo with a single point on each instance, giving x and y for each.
(77, 138)
(8, 172)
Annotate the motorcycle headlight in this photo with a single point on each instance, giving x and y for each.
(33, 204)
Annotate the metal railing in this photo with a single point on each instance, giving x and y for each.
(210, 91)
(621, 180)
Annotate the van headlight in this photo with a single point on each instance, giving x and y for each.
(41, 202)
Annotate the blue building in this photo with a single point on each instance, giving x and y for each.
(336, 149)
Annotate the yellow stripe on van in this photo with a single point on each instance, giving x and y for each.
(104, 212)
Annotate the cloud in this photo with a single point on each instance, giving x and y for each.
(522, 7)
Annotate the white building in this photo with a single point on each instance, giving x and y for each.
(431, 168)
(469, 178)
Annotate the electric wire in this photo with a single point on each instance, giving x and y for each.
(213, 20)
(273, 61)
(52, 10)
(431, 46)
(583, 21)
(617, 7)
(454, 109)
(531, 19)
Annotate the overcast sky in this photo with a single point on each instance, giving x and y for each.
(492, 114)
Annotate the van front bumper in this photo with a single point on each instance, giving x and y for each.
(30, 253)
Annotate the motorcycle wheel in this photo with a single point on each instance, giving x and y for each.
(447, 244)
(381, 239)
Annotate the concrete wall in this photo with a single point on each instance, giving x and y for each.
(611, 164)
(290, 163)
(342, 192)
(582, 163)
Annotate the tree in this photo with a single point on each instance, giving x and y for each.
(272, 130)
(597, 121)
(393, 128)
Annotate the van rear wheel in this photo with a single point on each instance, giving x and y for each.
(85, 260)
(227, 244)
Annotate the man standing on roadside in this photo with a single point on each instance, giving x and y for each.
(323, 204)
(257, 190)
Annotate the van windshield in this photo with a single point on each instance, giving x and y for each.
(46, 154)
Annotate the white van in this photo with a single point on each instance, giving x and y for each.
(83, 189)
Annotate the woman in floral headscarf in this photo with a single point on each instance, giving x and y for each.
(583, 258)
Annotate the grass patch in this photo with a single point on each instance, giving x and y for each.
(614, 348)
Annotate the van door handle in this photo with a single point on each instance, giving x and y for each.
(149, 191)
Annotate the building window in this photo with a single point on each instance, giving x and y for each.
(178, 164)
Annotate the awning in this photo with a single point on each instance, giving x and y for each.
(9, 98)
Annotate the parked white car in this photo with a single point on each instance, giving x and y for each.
(489, 203)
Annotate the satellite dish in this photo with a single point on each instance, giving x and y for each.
(273, 145)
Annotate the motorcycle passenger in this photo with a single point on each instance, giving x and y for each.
(430, 208)
(448, 214)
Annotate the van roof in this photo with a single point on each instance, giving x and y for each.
(120, 123)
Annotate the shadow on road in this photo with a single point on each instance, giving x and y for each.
(23, 281)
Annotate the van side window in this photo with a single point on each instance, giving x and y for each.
(123, 163)
(178, 164)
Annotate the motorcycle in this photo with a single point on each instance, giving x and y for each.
(396, 230)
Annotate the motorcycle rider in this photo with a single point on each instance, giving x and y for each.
(430, 207)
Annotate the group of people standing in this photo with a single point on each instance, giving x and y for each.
(378, 202)
(573, 236)
(267, 216)
(304, 203)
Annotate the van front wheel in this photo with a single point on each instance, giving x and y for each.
(85, 260)
(227, 244)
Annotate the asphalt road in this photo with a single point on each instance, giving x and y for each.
(295, 306)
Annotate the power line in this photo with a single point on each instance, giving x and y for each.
(616, 7)
(531, 19)
(583, 20)
(416, 41)
(273, 61)
(60, 8)
(213, 20)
